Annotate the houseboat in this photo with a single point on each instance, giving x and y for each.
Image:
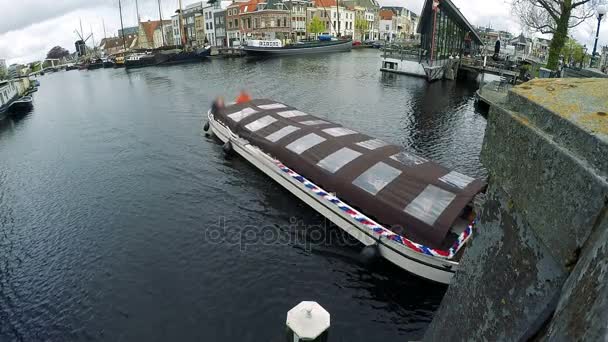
(412, 211)
(11, 91)
(275, 47)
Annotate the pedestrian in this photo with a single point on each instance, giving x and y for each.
(217, 105)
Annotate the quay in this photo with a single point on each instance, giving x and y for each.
(536, 267)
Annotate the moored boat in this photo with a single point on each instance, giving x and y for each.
(108, 63)
(414, 212)
(149, 58)
(276, 47)
(187, 56)
(95, 64)
(20, 105)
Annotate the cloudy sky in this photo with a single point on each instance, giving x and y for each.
(29, 28)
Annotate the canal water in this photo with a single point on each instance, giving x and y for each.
(120, 220)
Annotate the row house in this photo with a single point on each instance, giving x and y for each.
(368, 11)
(233, 28)
(199, 28)
(177, 34)
(151, 34)
(339, 21)
(114, 45)
(269, 20)
(397, 23)
(219, 16)
(298, 9)
(189, 29)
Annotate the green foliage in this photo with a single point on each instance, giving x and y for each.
(572, 50)
(316, 26)
(360, 26)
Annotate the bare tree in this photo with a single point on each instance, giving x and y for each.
(555, 17)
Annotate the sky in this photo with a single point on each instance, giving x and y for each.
(27, 34)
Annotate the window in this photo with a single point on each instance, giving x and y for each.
(387, 27)
(430, 204)
(408, 159)
(291, 113)
(260, 123)
(457, 179)
(283, 132)
(339, 131)
(314, 122)
(240, 115)
(272, 106)
(338, 159)
(304, 143)
(284, 22)
(376, 178)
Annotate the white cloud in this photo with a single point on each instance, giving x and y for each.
(29, 28)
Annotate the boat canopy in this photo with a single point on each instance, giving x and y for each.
(412, 196)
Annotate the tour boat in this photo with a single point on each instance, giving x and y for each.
(411, 211)
(276, 47)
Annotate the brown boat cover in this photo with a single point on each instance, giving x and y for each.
(410, 195)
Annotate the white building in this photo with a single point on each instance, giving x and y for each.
(210, 26)
(177, 35)
(372, 31)
(208, 11)
(338, 21)
(387, 29)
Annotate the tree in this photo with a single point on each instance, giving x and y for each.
(555, 17)
(360, 26)
(573, 51)
(316, 26)
(57, 52)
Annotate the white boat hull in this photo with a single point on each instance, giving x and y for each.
(404, 67)
(432, 268)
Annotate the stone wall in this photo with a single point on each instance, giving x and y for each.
(538, 264)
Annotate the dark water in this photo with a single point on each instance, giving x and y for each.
(121, 221)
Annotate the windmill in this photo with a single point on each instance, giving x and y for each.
(81, 44)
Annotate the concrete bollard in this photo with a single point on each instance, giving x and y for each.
(308, 321)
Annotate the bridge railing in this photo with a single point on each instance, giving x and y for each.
(404, 52)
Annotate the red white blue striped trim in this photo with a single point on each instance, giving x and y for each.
(374, 227)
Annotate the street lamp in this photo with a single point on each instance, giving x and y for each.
(601, 11)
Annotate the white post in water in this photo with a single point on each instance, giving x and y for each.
(307, 321)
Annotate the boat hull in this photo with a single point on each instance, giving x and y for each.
(285, 51)
(432, 268)
(189, 56)
(148, 60)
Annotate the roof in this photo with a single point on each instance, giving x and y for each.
(519, 40)
(249, 6)
(325, 3)
(150, 26)
(116, 42)
(452, 11)
(386, 14)
(397, 188)
(368, 4)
